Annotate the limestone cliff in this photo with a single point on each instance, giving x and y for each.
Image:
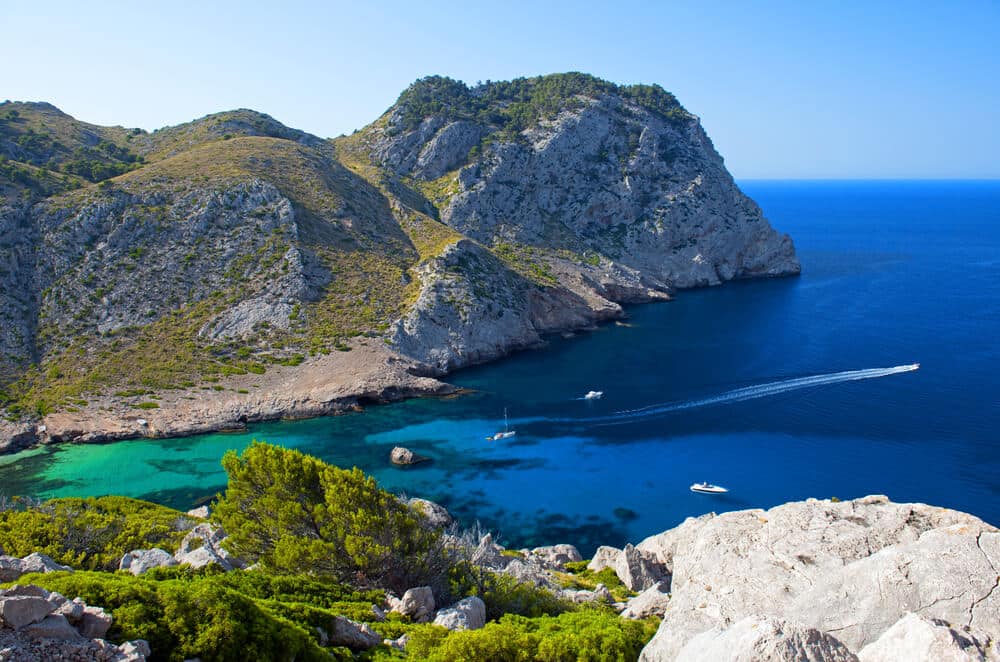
(463, 224)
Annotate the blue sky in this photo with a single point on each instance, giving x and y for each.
(785, 89)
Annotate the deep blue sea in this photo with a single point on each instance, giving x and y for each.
(893, 273)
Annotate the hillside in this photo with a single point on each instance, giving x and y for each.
(145, 269)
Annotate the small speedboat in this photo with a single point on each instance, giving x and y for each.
(708, 488)
(594, 395)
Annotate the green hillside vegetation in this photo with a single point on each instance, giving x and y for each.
(363, 232)
(62, 150)
(512, 106)
(328, 542)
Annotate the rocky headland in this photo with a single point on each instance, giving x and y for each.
(232, 269)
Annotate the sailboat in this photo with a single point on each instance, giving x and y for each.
(507, 432)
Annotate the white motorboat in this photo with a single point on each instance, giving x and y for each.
(708, 488)
(507, 432)
(594, 395)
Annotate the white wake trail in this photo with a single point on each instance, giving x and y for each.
(741, 394)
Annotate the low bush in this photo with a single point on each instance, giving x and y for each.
(587, 635)
(191, 616)
(90, 533)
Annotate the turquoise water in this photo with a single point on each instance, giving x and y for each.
(894, 273)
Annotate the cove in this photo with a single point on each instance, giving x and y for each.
(894, 273)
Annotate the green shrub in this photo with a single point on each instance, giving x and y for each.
(147, 405)
(504, 594)
(89, 533)
(585, 635)
(182, 618)
(291, 512)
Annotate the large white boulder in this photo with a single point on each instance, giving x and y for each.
(849, 568)
(139, 561)
(466, 614)
(604, 557)
(651, 602)
(915, 638)
(417, 603)
(759, 640)
(17, 611)
(637, 570)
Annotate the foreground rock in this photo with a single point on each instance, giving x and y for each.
(765, 639)
(202, 546)
(651, 602)
(36, 624)
(466, 614)
(850, 569)
(353, 635)
(417, 603)
(12, 567)
(918, 639)
(139, 561)
(435, 514)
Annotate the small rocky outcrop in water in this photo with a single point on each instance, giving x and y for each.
(404, 456)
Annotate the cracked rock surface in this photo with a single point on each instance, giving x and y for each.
(847, 569)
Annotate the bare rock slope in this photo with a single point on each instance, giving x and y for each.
(862, 572)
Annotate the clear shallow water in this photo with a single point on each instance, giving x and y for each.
(894, 273)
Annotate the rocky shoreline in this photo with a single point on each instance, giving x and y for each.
(320, 386)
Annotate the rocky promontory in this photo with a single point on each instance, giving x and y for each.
(153, 271)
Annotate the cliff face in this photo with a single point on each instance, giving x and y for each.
(463, 224)
(599, 197)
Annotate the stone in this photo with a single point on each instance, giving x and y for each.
(201, 512)
(95, 623)
(637, 571)
(27, 589)
(37, 562)
(915, 638)
(53, 626)
(466, 614)
(557, 556)
(354, 635)
(404, 456)
(10, 568)
(850, 568)
(651, 602)
(18, 611)
(417, 603)
(72, 610)
(139, 561)
(133, 651)
(202, 546)
(435, 514)
(604, 557)
(489, 555)
(758, 639)
(378, 613)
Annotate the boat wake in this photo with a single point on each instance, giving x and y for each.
(739, 395)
